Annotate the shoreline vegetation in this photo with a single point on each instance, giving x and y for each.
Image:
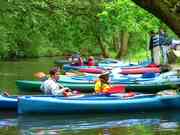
(117, 29)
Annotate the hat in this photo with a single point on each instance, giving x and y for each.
(105, 74)
(53, 70)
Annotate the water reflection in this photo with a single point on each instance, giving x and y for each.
(8, 119)
(107, 124)
(8, 122)
(80, 123)
(71, 123)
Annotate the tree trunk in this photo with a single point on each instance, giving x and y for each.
(117, 41)
(124, 45)
(166, 10)
(103, 48)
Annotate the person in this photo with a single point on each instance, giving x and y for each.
(77, 60)
(164, 45)
(91, 61)
(102, 85)
(156, 49)
(52, 87)
(175, 44)
(151, 45)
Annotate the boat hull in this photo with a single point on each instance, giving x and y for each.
(140, 70)
(25, 85)
(103, 104)
(8, 102)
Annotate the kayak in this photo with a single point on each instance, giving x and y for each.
(105, 64)
(112, 63)
(139, 70)
(123, 70)
(147, 83)
(130, 69)
(8, 102)
(92, 79)
(92, 70)
(97, 104)
(145, 87)
(113, 78)
(61, 62)
(69, 67)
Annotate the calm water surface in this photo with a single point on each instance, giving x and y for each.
(16, 70)
(159, 123)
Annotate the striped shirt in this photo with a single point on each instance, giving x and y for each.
(155, 40)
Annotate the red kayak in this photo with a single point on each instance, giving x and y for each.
(141, 70)
(92, 70)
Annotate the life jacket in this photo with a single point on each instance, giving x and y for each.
(91, 62)
(102, 87)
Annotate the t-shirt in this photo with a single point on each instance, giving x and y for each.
(51, 87)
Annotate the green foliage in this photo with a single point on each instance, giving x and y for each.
(48, 28)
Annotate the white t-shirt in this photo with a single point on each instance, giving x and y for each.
(51, 87)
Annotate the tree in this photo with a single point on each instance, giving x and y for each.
(167, 10)
(119, 19)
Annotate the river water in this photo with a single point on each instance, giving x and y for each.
(152, 123)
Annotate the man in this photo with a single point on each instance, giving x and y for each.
(151, 45)
(52, 87)
(164, 44)
(156, 49)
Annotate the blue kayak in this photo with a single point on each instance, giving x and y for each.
(8, 102)
(91, 79)
(147, 78)
(69, 67)
(111, 63)
(95, 103)
(105, 64)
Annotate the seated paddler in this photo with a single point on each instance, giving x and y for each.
(52, 87)
(102, 85)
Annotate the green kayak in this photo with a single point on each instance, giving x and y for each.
(26, 85)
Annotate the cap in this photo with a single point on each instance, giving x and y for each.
(105, 74)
